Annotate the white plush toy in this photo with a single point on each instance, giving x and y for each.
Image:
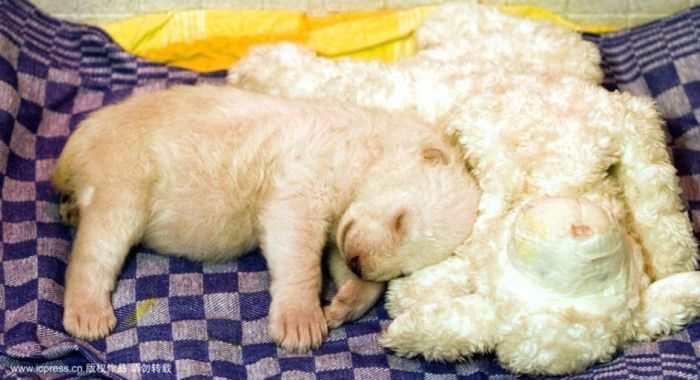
(582, 243)
(580, 210)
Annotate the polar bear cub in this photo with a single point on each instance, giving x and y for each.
(211, 172)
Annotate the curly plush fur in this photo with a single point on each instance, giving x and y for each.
(551, 290)
(458, 44)
(590, 146)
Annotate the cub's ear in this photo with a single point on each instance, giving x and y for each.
(435, 155)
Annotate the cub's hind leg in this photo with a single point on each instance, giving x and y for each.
(111, 221)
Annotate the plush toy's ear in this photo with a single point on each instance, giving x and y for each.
(651, 189)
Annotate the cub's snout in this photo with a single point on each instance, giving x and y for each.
(380, 233)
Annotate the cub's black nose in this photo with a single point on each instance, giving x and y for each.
(354, 264)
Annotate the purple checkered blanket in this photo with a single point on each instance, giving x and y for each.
(183, 319)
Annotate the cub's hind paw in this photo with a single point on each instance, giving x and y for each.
(89, 321)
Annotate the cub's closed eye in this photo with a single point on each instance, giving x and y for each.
(344, 233)
(435, 155)
(399, 220)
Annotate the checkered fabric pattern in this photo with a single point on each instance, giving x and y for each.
(180, 319)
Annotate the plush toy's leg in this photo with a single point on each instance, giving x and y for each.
(354, 297)
(280, 70)
(652, 192)
(446, 331)
(439, 283)
(447, 23)
(668, 305)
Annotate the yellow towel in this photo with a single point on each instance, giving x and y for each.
(207, 40)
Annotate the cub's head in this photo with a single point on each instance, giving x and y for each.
(412, 210)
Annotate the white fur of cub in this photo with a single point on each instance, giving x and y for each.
(211, 172)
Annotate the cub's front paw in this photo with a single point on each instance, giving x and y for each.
(297, 329)
(89, 318)
(352, 301)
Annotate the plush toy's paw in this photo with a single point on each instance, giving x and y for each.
(352, 301)
(668, 305)
(395, 297)
(401, 336)
(90, 317)
(297, 329)
(421, 331)
(439, 283)
(556, 341)
(443, 332)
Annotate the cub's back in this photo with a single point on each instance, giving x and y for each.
(119, 140)
(197, 155)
